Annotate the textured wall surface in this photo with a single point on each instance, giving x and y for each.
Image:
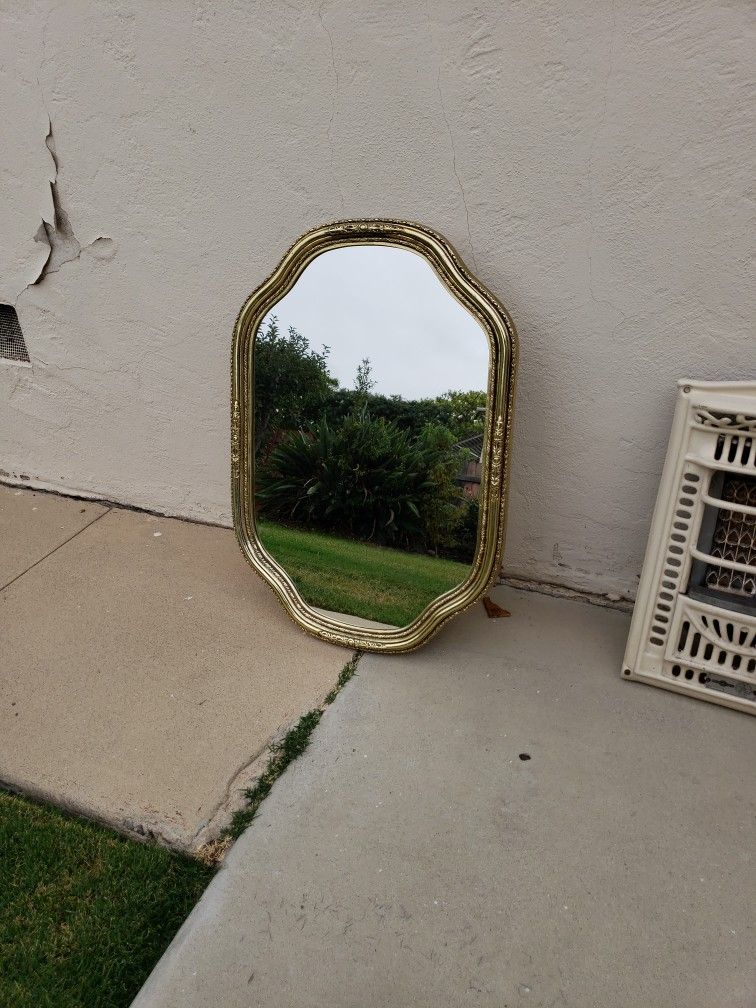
(591, 163)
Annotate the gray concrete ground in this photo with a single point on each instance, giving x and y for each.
(143, 665)
(413, 859)
(32, 525)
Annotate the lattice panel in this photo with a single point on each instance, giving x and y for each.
(694, 625)
(734, 539)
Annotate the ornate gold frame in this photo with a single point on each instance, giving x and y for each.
(502, 338)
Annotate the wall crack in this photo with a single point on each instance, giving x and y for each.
(334, 97)
(454, 167)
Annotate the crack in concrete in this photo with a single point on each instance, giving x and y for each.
(224, 806)
(609, 600)
(454, 166)
(55, 550)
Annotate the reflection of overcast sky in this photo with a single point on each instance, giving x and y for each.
(387, 304)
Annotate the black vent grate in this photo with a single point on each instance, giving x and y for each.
(12, 346)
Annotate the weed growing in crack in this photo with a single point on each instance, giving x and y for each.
(344, 676)
(282, 754)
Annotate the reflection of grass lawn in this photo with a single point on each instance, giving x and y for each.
(381, 584)
(84, 913)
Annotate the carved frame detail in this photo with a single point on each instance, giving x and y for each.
(503, 352)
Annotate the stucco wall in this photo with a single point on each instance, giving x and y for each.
(591, 163)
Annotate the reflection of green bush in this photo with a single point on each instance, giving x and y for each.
(445, 508)
(465, 534)
(367, 479)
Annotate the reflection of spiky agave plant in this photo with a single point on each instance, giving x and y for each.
(364, 478)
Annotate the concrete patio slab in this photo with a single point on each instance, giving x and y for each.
(144, 667)
(33, 524)
(415, 857)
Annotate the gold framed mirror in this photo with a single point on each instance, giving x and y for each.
(372, 388)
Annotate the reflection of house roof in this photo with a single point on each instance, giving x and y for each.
(474, 445)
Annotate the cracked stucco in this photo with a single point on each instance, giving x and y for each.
(62, 243)
(592, 163)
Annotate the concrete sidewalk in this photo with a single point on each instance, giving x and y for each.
(495, 820)
(144, 665)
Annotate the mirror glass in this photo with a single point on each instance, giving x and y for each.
(370, 386)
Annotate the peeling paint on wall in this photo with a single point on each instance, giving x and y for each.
(27, 202)
(63, 245)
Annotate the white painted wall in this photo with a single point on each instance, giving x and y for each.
(591, 163)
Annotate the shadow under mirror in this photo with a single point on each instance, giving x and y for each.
(370, 404)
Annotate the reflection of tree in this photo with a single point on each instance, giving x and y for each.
(467, 412)
(364, 383)
(460, 412)
(445, 508)
(373, 467)
(292, 382)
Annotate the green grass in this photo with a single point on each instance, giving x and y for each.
(293, 745)
(387, 585)
(84, 913)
